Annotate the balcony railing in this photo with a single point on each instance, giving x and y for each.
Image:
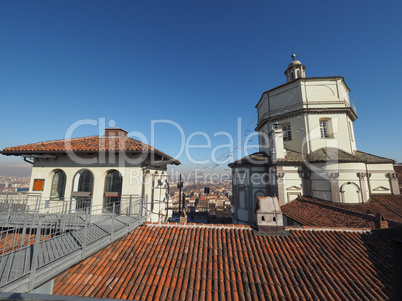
(40, 237)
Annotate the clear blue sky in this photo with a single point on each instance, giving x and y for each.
(201, 64)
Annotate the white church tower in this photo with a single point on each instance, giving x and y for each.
(308, 147)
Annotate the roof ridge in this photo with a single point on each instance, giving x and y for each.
(336, 229)
(51, 141)
(198, 225)
(326, 153)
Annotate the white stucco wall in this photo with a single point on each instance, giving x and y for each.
(340, 132)
(379, 182)
(132, 182)
(325, 91)
(292, 183)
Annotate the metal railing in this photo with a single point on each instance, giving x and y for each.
(38, 235)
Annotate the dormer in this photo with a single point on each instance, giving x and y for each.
(295, 70)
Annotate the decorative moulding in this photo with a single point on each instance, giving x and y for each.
(293, 188)
(381, 188)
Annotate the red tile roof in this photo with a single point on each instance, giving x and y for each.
(12, 241)
(209, 263)
(86, 144)
(321, 155)
(390, 206)
(313, 212)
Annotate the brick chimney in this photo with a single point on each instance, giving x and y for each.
(115, 132)
(380, 222)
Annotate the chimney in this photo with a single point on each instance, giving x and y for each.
(269, 217)
(276, 143)
(115, 132)
(380, 222)
(183, 217)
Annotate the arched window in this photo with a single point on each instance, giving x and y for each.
(85, 181)
(82, 190)
(58, 185)
(113, 185)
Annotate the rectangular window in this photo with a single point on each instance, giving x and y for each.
(242, 198)
(287, 134)
(38, 185)
(324, 129)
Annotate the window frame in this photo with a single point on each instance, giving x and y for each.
(287, 131)
(59, 188)
(325, 131)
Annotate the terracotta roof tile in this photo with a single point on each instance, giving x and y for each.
(234, 264)
(321, 155)
(317, 213)
(8, 239)
(334, 154)
(87, 144)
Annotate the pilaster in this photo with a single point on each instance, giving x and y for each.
(363, 185)
(393, 179)
(333, 180)
(306, 178)
(280, 185)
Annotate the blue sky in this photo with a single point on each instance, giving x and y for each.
(201, 64)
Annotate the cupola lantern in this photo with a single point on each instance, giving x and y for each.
(295, 70)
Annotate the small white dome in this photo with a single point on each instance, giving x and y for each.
(295, 62)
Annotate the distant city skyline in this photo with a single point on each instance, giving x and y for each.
(199, 65)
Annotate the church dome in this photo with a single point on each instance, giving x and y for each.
(294, 63)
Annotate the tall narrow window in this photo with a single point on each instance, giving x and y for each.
(351, 131)
(85, 181)
(324, 128)
(242, 197)
(82, 191)
(58, 185)
(287, 134)
(113, 185)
